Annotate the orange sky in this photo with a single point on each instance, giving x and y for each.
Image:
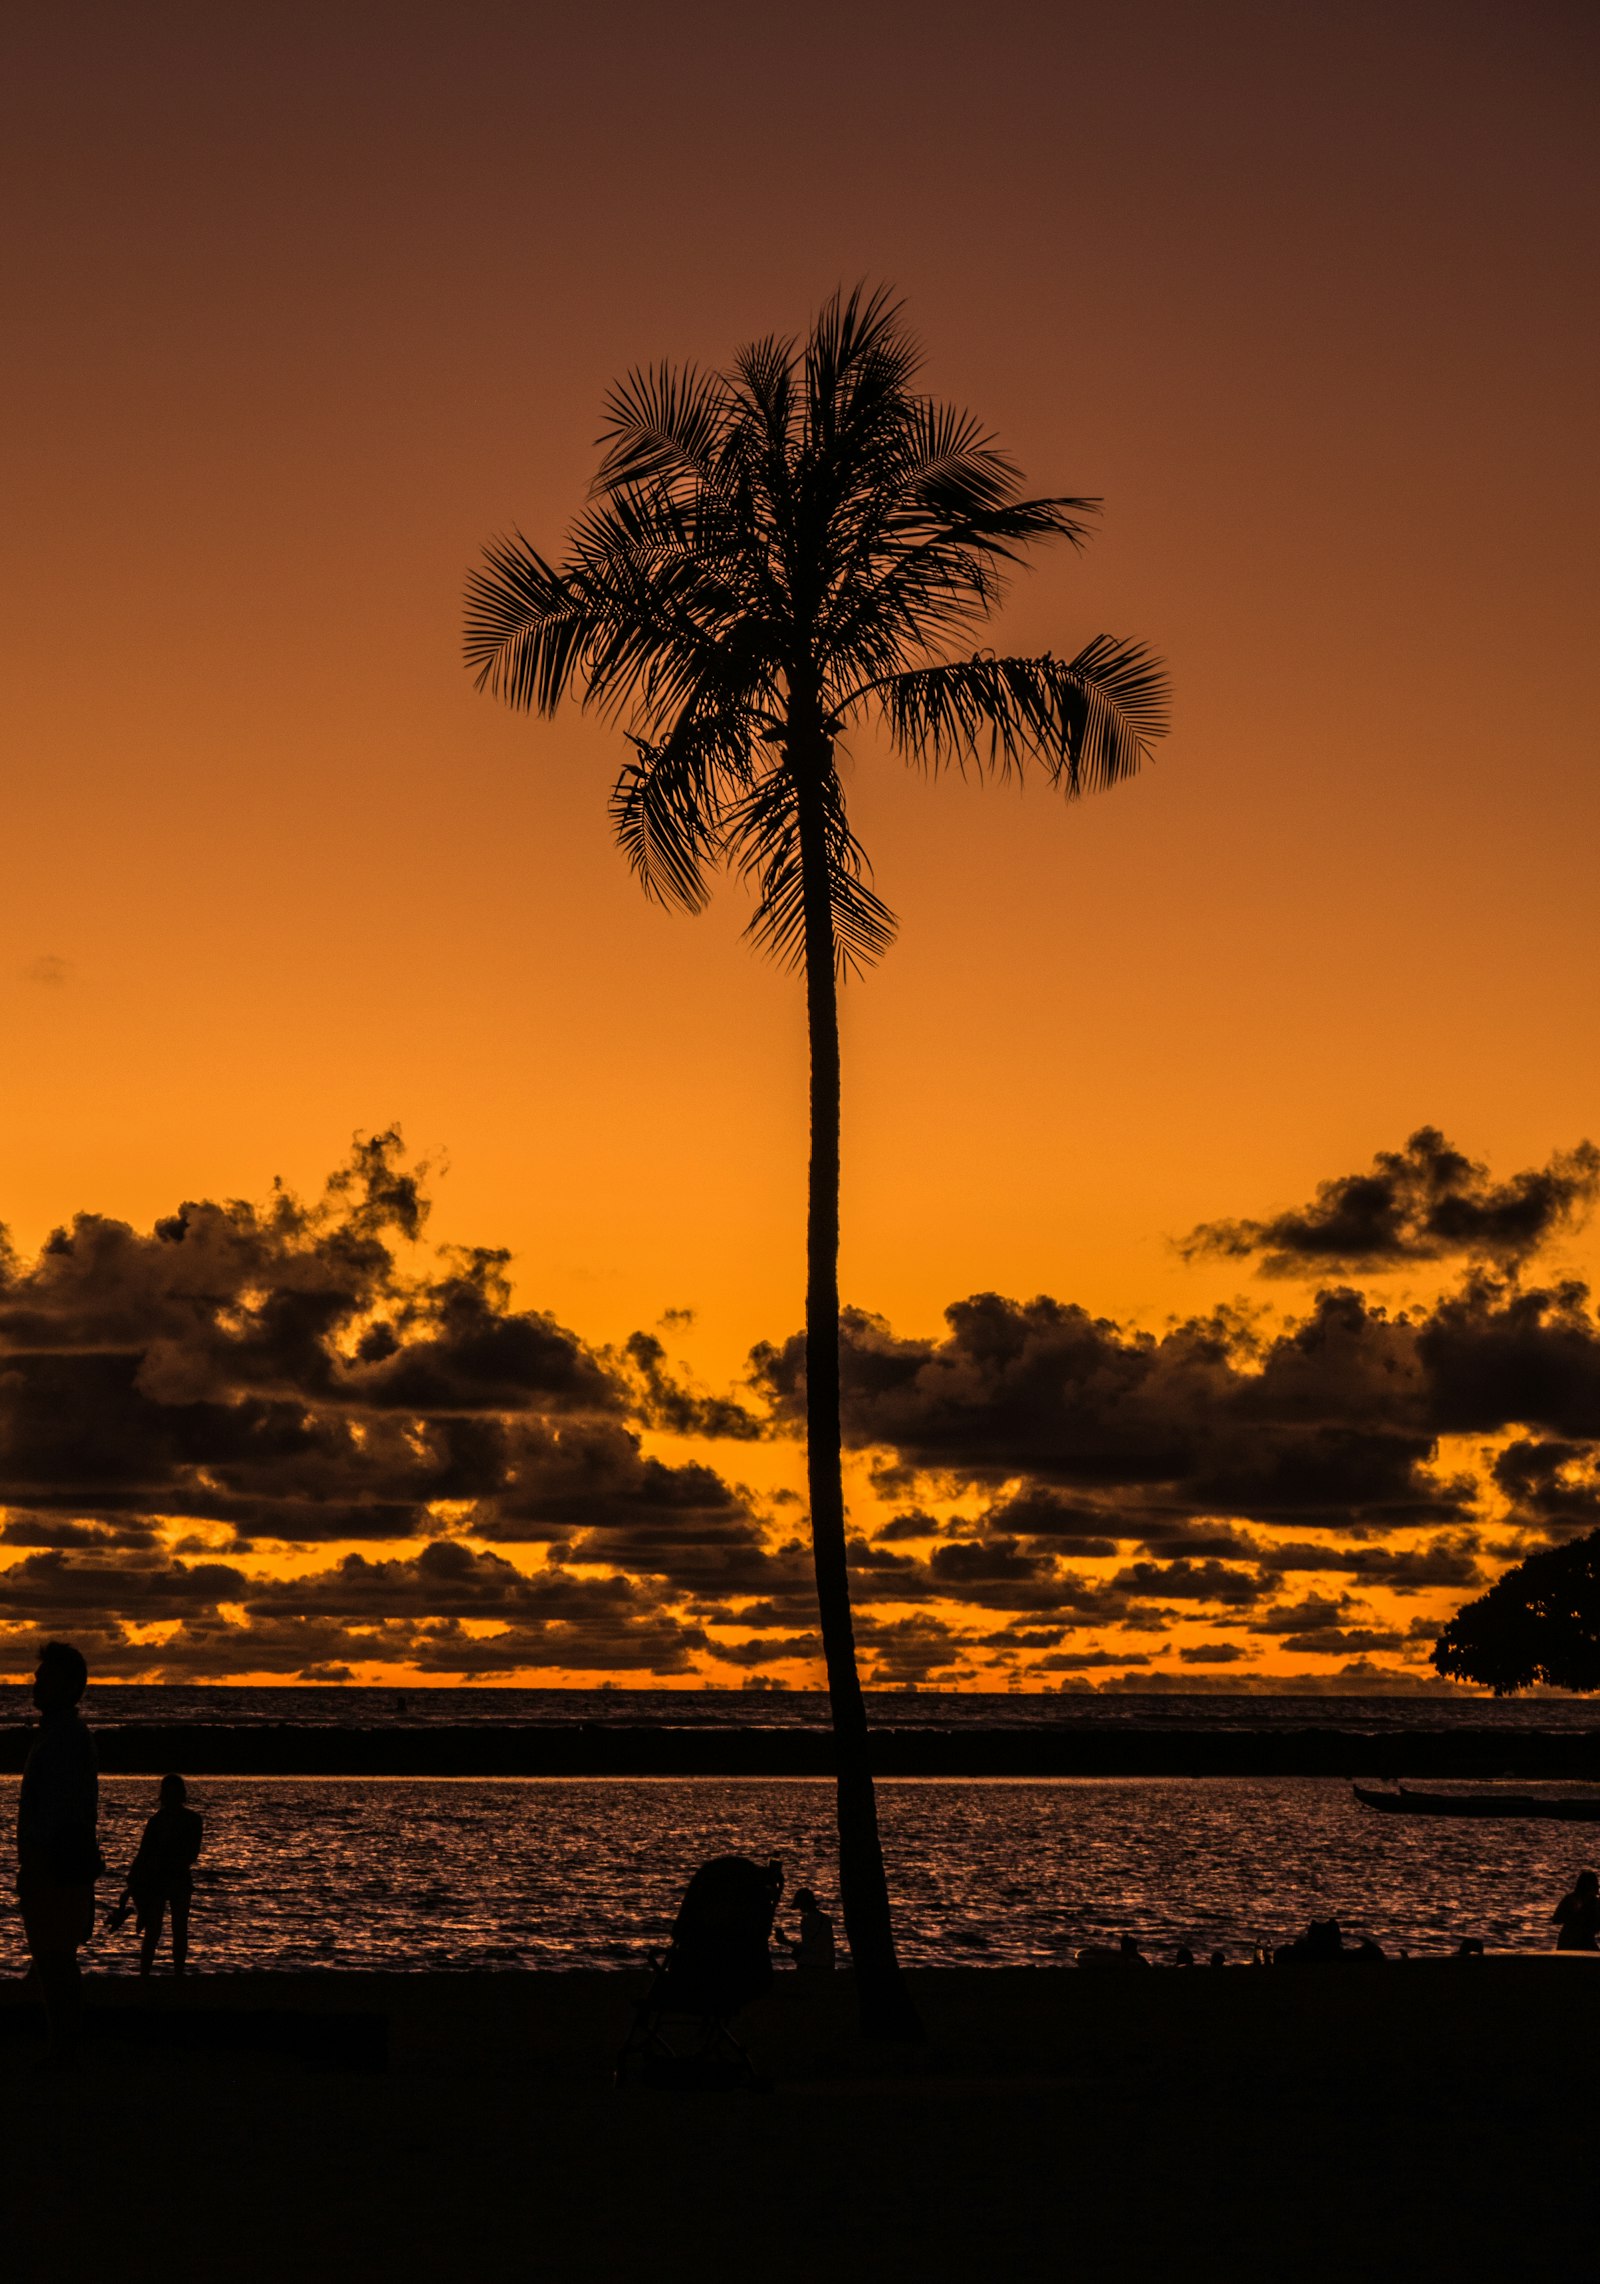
(310, 301)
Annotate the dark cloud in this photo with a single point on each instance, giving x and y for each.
(916, 1523)
(566, 1476)
(1326, 1626)
(666, 1400)
(1342, 1641)
(1552, 1489)
(996, 1574)
(1296, 1617)
(1498, 1357)
(1211, 1653)
(1449, 1561)
(423, 1609)
(1040, 1389)
(1037, 1513)
(457, 1345)
(915, 1649)
(21, 1529)
(59, 1586)
(1116, 1435)
(989, 1562)
(1423, 1203)
(1185, 1581)
(297, 1375)
(283, 1371)
(768, 1650)
(1084, 1661)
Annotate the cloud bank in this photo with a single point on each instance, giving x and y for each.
(187, 1414)
(289, 1439)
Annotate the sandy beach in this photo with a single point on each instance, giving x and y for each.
(1422, 2118)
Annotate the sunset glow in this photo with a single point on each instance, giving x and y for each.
(517, 1400)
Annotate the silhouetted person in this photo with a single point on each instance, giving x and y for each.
(1323, 1944)
(1578, 1915)
(1126, 1954)
(160, 1876)
(58, 1852)
(719, 1961)
(814, 1946)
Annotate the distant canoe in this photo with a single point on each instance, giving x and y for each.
(1566, 1809)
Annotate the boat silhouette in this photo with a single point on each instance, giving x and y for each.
(1570, 1808)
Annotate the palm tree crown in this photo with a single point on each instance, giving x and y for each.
(771, 555)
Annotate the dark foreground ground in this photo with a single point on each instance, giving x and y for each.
(1421, 2119)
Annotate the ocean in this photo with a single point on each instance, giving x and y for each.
(475, 1873)
(472, 1873)
(229, 1705)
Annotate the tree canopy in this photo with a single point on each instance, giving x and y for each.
(772, 556)
(1540, 1622)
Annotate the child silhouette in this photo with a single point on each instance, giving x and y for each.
(159, 1877)
(813, 1947)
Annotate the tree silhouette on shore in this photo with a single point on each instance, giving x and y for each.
(1538, 1622)
(773, 556)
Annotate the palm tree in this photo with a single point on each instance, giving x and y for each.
(771, 557)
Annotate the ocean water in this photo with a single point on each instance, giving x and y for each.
(232, 1705)
(452, 1874)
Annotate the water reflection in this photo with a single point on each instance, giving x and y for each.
(477, 1873)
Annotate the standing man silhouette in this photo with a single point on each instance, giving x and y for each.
(58, 1853)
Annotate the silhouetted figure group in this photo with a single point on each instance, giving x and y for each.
(719, 1958)
(58, 1851)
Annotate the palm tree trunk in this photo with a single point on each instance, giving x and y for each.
(886, 2007)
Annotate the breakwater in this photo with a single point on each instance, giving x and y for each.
(600, 1749)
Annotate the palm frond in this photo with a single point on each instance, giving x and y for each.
(1090, 720)
(526, 626)
(860, 360)
(764, 838)
(669, 806)
(662, 425)
(764, 374)
(1118, 700)
(928, 574)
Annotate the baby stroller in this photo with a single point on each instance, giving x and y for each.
(717, 1962)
